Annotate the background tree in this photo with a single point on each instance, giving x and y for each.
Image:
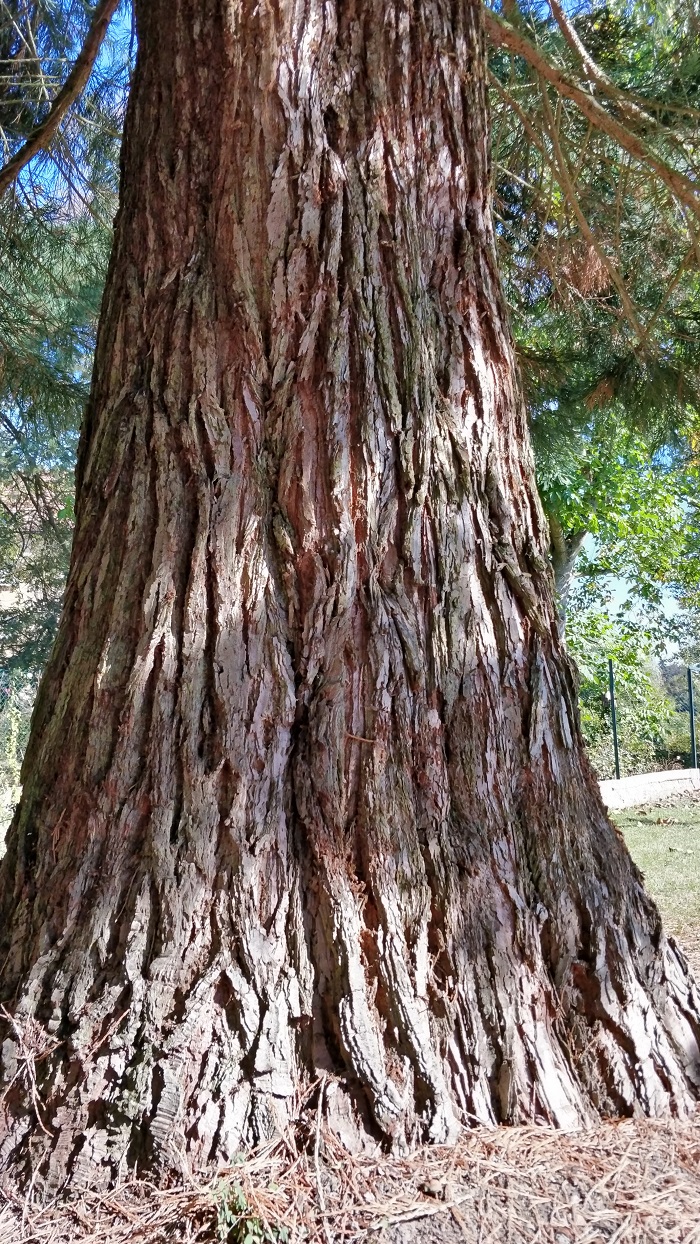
(649, 727)
(55, 235)
(305, 791)
(636, 505)
(600, 268)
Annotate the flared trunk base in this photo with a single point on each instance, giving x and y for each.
(305, 792)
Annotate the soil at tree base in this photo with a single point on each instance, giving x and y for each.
(635, 1182)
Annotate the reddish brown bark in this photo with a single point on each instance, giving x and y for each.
(305, 790)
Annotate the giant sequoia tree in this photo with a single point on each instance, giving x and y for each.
(305, 794)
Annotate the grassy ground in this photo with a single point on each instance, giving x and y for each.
(664, 841)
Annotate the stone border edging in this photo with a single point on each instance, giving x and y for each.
(649, 787)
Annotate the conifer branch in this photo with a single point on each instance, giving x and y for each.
(593, 71)
(627, 104)
(563, 176)
(40, 137)
(567, 184)
(503, 34)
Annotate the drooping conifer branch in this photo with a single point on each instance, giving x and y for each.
(556, 160)
(77, 79)
(502, 34)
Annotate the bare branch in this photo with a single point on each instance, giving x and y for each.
(503, 35)
(74, 84)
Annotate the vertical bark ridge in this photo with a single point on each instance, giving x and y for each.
(306, 788)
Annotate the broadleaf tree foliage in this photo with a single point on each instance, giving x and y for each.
(646, 716)
(305, 793)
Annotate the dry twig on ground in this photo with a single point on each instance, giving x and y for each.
(633, 1182)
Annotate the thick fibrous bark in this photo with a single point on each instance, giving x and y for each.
(305, 790)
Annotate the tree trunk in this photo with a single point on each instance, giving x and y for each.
(564, 550)
(305, 791)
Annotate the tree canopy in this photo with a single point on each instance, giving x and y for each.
(599, 254)
(55, 235)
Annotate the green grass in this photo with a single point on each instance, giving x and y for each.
(665, 843)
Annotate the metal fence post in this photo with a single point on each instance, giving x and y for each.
(613, 715)
(691, 710)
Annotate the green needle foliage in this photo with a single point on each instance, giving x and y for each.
(55, 236)
(39, 43)
(600, 264)
(51, 276)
